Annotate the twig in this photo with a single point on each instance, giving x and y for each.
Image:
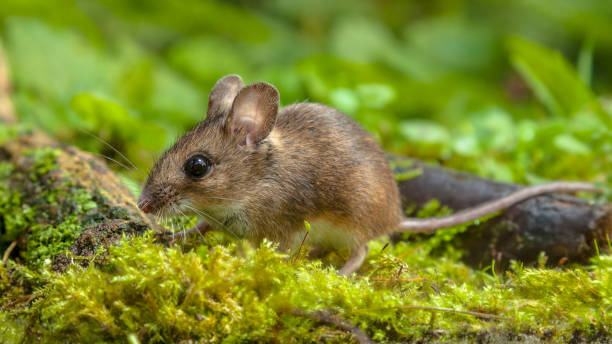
(297, 255)
(410, 252)
(334, 320)
(20, 300)
(476, 314)
(390, 279)
(382, 279)
(442, 309)
(8, 251)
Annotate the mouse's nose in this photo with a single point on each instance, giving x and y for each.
(145, 206)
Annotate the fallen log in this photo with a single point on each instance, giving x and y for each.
(565, 228)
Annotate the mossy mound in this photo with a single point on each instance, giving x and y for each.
(146, 292)
(50, 200)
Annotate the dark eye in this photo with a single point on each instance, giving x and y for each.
(197, 166)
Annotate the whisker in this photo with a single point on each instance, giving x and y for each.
(212, 218)
(99, 139)
(185, 228)
(207, 239)
(127, 168)
(174, 223)
(201, 212)
(163, 221)
(211, 197)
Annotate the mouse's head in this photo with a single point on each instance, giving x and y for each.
(212, 164)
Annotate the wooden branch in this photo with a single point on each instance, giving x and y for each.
(336, 321)
(562, 226)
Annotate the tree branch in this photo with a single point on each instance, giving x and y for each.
(325, 317)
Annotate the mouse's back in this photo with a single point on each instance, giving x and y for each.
(324, 150)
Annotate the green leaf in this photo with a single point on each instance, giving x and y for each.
(102, 114)
(425, 132)
(194, 57)
(585, 61)
(570, 144)
(375, 96)
(345, 100)
(70, 64)
(553, 80)
(97, 111)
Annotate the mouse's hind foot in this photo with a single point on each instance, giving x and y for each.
(354, 262)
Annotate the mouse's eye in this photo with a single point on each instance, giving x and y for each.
(197, 166)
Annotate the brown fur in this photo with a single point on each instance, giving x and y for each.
(316, 164)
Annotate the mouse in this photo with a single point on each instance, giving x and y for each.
(257, 171)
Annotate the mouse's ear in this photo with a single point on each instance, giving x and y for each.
(222, 96)
(253, 113)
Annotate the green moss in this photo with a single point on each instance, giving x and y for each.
(48, 205)
(51, 236)
(402, 169)
(44, 160)
(236, 294)
(12, 330)
(47, 241)
(16, 215)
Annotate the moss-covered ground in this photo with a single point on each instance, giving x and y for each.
(146, 292)
(516, 91)
(210, 289)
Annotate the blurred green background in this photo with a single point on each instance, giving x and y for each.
(512, 90)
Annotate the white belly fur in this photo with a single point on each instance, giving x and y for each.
(325, 235)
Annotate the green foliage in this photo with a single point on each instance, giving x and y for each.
(488, 87)
(553, 80)
(438, 81)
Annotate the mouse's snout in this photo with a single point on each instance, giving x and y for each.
(155, 198)
(145, 205)
(146, 202)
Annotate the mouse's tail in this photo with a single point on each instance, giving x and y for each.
(471, 214)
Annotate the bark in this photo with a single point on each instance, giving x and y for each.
(562, 226)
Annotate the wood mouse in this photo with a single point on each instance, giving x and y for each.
(258, 172)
